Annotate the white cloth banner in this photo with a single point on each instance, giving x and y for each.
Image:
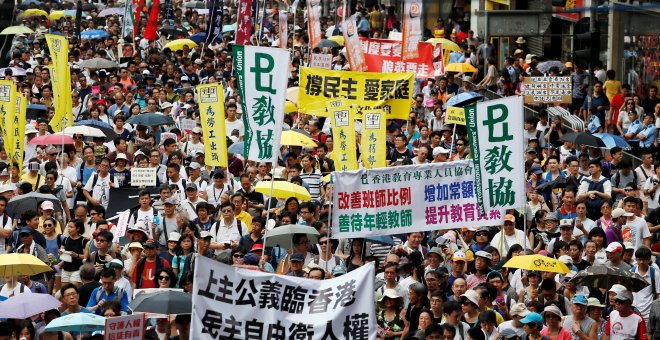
(262, 77)
(402, 199)
(237, 303)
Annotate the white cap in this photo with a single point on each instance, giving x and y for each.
(614, 247)
(567, 260)
(439, 150)
(174, 237)
(622, 293)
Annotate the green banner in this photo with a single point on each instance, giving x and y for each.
(471, 124)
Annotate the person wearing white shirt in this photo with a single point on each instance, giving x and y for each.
(636, 230)
(651, 190)
(6, 226)
(509, 236)
(189, 205)
(194, 177)
(214, 193)
(228, 231)
(194, 144)
(645, 297)
(97, 188)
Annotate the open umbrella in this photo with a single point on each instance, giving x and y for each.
(327, 43)
(86, 131)
(236, 148)
(88, 7)
(150, 119)
(289, 107)
(178, 44)
(16, 264)
(33, 12)
(460, 68)
(538, 263)
(545, 66)
(15, 71)
(103, 126)
(603, 276)
(386, 240)
(283, 189)
(20, 29)
(55, 139)
(111, 11)
(611, 140)
(292, 94)
(172, 32)
(198, 37)
(462, 99)
(56, 15)
(35, 111)
(283, 235)
(291, 137)
(77, 322)
(31, 201)
(339, 39)
(447, 44)
(228, 28)
(164, 302)
(93, 34)
(26, 4)
(97, 63)
(583, 138)
(22, 306)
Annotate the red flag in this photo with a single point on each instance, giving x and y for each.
(152, 24)
(244, 25)
(139, 7)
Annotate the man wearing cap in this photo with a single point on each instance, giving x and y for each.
(565, 234)
(458, 261)
(149, 216)
(194, 176)
(636, 230)
(481, 239)
(296, 268)
(579, 324)
(623, 323)
(644, 297)
(97, 188)
(189, 205)
(440, 154)
(145, 269)
(194, 144)
(517, 312)
(509, 236)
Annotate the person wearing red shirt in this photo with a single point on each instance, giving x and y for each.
(617, 102)
(147, 267)
(624, 324)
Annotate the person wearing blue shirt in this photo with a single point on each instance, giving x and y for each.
(106, 293)
(635, 128)
(70, 295)
(648, 133)
(599, 104)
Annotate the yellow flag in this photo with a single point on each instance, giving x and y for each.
(343, 135)
(455, 115)
(18, 128)
(7, 109)
(212, 118)
(373, 139)
(61, 78)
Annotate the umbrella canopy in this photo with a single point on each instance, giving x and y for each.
(339, 39)
(611, 140)
(560, 182)
(292, 94)
(228, 28)
(545, 66)
(21, 264)
(31, 201)
(150, 119)
(16, 30)
(88, 7)
(111, 11)
(460, 68)
(178, 44)
(283, 189)
(603, 276)
(86, 131)
(15, 71)
(289, 107)
(33, 12)
(174, 32)
(446, 44)
(55, 139)
(77, 322)
(462, 99)
(103, 126)
(583, 138)
(538, 263)
(165, 302)
(22, 306)
(327, 43)
(56, 15)
(35, 111)
(386, 240)
(236, 148)
(198, 37)
(93, 34)
(98, 63)
(291, 137)
(26, 4)
(283, 235)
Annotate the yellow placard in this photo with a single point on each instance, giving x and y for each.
(61, 78)
(373, 139)
(7, 109)
(212, 118)
(455, 115)
(343, 135)
(388, 92)
(18, 128)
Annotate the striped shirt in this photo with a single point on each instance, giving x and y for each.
(313, 180)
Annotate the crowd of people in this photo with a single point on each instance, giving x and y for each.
(586, 206)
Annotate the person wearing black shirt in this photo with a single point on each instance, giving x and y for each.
(652, 100)
(400, 151)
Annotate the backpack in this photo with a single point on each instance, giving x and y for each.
(561, 301)
(634, 270)
(239, 225)
(96, 178)
(118, 296)
(618, 178)
(140, 268)
(593, 205)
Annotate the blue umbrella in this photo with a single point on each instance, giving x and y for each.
(228, 28)
(103, 126)
(93, 34)
(150, 119)
(198, 37)
(236, 148)
(386, 240)
(463, 99)
(77, 322)
(611, 140)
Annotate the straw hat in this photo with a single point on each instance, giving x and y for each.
(391, 294)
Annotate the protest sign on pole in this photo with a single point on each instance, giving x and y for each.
(212, 116)
(126, 327)
(373, 139)
(412, 28)
(390, 92)
(122, 223)
(128, 20)
(314, 22)
(231, 303)
(495, 128)
(455, 115)
(18, 127)
(402, 199)
(59, 50)
(262, 75)
(384, 55)
(7, 112)
(284, 29)
(320, 60)
(244, 23)
(343, 132)
(215, 21)
(352, 45)
(538, 90)
(188, 124)
(143, 177)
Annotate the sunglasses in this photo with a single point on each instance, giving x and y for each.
(237, 255)
(323, 242)
(226, 211)
(164, 278)
(101, 240)
(77, 137)
(48, 225)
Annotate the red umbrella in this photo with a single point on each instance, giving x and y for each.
(57, 138)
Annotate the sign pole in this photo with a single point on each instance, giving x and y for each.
(328, 244)
(452, 142)
(270, 200)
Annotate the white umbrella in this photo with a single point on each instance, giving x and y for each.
(15, 71)
(283, 235)
(86, 131)
(111, 11)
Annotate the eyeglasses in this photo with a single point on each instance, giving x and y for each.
(49, 225)
(226, 211)
(460, 144)
(77, 137)
(164, 278)
(52, 154)
(71, 294)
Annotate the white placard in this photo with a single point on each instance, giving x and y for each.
(122, 223)
(323, 61)
(166, 135)
(188, 124)
(143, 177)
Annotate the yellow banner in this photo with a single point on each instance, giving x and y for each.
(212, 118)
(387, 92)
(343, 135)
(18, 128)
(373, 139)
(7, 109)
(455, 115)
(61, 78)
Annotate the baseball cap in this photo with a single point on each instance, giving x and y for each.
(624, 295)
(139, 226)
(614, 247)
(532, 150)
(338, 271)
(297, 257)
(519, 309)
(47, 205)
(551, 217)
(580, 300)
(256, 247)
(26, 230)
(7, 187)
(170, 200)
(114, 263)
(439, 150)
(174, 237)
(618, 212)
(191, 186)
(459, 256)
(251, 259)
(197, 130)
(509, 218)
(594, 302)
(566, 222)
(194, 166)
(567, 260)
(150, 245)
(484, 254)
(617, 288)
(553, 310)
(532, 317)
(205, 234)
(184, 78)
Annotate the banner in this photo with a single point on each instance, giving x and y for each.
(233, 303)
(320, 60)
(143, 177)
(352, 43)
(343, 133)
(455, 115)
(373, 139)
(314, 22)
(284, 29)
(126, 327)
(412, 28)
(78, 21)
(390, 92)
(244, 24)
(403, 199)
(212, 116)
(495, 130)
(383, 55)
(18, 126)
(139, 9)
(7, 112)
(128, 20)
(61, 77)
(537, 90)
(214, 25)
(152, 23)
(262, 75)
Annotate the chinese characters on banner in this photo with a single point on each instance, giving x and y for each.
(128, 21)
(125, 327)
(455, 115)
(495, 129)
(215, 21)
(412, 28)
(320, 60)
(402, 199)
(18, 126)
(7, 112)
(390, 92)
(244, 24)
(538, 90)
(212, 118)
(314, 22)
(384, 55)
(284, 29)
(231, 303)
(59, 50)
(262, 75)
(353, 46)
(343, 132)
(373, 139)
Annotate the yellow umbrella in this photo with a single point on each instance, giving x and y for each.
(446, 44)
(289, 107)
(178, 44)
(32, 12)
(460, 68)
(283, 189)
(538, 263)
(56, 15)
(339, 39)
(327, 178)
(292, 94)
(290, 137)
(16, 30)
(21, 264)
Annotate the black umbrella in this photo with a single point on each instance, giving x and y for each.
(583, 138)
(603, 276)
(174, 32)
(560, 182)
(150, 119)
(327, 43)
(31, 201)
(164, 302)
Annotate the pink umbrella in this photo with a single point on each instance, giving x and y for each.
(57, 138)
